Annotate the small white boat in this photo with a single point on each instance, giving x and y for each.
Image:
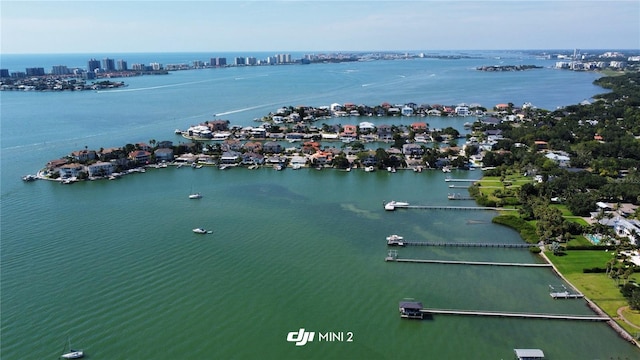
(202, 231)
(395, 240)
(296, 166)
(369, 169)
(29, 178)
(195, 196)
(392, 205)
(72, 354)
(446, 169)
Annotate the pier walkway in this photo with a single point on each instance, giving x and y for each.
(392, 258)
(440, 207)
(461, 180)
(462, 244)
(515, 314)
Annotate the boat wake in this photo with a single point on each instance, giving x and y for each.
(154, 87)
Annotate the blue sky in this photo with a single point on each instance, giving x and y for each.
(175, 26)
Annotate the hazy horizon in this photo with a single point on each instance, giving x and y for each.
(71, 27)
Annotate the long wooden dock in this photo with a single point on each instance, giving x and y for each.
(465, 244)
(391, 258)
(461, 180)
(515, 314)
(441, 207)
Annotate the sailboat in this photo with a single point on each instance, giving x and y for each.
(72, 354)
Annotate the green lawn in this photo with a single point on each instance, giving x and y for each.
(575, 261)
(598, 287)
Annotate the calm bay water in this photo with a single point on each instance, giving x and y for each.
(114, 264)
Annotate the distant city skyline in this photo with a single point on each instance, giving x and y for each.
(41, 27)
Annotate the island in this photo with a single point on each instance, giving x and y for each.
(507, 67)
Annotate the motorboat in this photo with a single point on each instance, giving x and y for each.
(202, 231)
(392, 205)
(395, 240)
(29, 178)
(72, 354)
(195, 196)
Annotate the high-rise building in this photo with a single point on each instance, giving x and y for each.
(122, 65)
(35, 71)
(221, 61)
(108, 64)
(251, 61)
(60, 70)
(93, 65)
(4, 73)
(239, 61)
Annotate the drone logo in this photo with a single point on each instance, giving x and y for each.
(300, 337)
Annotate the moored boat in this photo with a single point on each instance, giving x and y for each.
(202, 231)
(392, 205)
(395, 240)
(71, 354)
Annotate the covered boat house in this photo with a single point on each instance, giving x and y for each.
(411, 309)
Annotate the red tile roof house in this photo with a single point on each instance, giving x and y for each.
(140, 156)
(253, 146)
(502, 107)
(349, 131)
(321, 158)
(419, 127)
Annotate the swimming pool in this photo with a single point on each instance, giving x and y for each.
(594, 238)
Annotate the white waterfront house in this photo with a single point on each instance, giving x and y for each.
(100, 169)
(70, 170)
(407, 111)
(462, 111)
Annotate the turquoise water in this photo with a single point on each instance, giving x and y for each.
(114, 264)
(594, 238)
